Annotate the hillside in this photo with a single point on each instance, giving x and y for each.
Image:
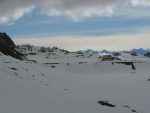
(59, 81)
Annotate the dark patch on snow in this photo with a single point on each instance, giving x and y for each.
(134, 111)
(28, 62)
(32, 61)
(65, 89)
(7, 62)
(51, 63)
(53, 66)
(68, 64)
(46, 84)
(126, 106)
(16, 73)
(25, 69)
(43, 74)
(127, 63)
(130, 108)
(148, 80)
(33, 77)
(82, 62)
(32, 53)
(106, 103)
(13, 68)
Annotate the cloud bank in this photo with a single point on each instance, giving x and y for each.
(123, 41)
(114, 42)
(12, 10)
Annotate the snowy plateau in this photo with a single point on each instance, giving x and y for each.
(59, 82)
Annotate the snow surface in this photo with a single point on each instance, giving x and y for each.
(74, 85)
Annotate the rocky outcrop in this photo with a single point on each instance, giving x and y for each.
(6, 40)
(7, 47)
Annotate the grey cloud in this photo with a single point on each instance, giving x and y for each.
(78, 9)
(145, 3)
(11, 10)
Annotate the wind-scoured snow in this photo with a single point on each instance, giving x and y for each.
(73, 83)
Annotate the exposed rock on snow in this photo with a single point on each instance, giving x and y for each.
(7, 47)
(128, 63)
(6, 40)
(106, 103)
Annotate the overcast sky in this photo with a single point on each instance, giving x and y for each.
(94, 24)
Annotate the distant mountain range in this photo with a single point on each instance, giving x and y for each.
(139, 51)
(8, 47)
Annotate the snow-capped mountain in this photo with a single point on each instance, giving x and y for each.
(92, 52)
(139, 51)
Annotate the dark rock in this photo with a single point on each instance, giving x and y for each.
(32, 61)
(6, 40)
(109, 58)
(127, 63)
(53, 66)
(106, 103)
(32, 53)
(14, 68)
(134, 111)
(7, 47)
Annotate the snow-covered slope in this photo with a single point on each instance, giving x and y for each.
(74, 84)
